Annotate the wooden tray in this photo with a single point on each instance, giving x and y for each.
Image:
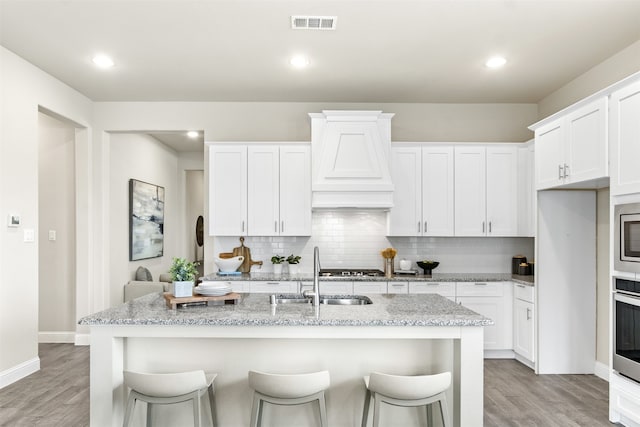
(172, 302)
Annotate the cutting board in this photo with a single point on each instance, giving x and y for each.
(172, 302)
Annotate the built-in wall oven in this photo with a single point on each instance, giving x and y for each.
(626, 328)
(627, 237)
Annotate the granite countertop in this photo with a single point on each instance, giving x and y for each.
(436, 277)
(255, 310)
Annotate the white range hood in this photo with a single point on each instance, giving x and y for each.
(350, 159)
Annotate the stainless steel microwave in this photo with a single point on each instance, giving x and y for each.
(627, 238)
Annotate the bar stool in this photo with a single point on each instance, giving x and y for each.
(288, 390)
(165, 389)
(406, 391)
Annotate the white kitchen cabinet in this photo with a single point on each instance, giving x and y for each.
(228, 190)
(624, 131)
(273, 286)
(524, 321)
(526, 190)
(495, 301)
(572, 150)
(446, 289)
(338, 287)
(260, 190)
(486, 180)
(423, 194)
(397, 287)
(235, 285)
(364, 288)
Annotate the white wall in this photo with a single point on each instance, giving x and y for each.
(56, 212)
(354, 239)
(23, 88)
(194, 208)
(141, 157)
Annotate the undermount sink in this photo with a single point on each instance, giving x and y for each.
(324, 299)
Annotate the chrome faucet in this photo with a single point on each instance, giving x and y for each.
(315, 293)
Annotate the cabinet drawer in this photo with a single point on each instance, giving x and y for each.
(523, 292)
(480, 289)
(330, 288)
(274, 286)
(447, 289)
(236, 285)
(369, 287)
(398, 287)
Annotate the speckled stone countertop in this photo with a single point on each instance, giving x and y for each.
(444, 277)
(256, 310)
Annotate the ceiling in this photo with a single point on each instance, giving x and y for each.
(381, 51)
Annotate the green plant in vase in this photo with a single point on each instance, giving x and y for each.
(293, 261)
(277, 261)
(183, 273)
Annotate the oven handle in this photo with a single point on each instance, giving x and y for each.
(628, 299)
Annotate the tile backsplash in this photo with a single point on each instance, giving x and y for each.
(354, 239)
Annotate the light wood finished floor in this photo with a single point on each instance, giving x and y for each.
(58, 395)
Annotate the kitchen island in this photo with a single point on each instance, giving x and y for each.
(397, 334)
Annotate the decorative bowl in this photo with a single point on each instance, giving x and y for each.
(228, 265)
(427, 266)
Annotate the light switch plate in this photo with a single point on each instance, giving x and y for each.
(52, 235)
(29, 235)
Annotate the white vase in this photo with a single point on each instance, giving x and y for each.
(182, 289)
(277, 268)
(294, 269)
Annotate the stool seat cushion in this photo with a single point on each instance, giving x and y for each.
(168, 385)
(289, 386)
(408, 387)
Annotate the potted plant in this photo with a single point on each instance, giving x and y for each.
(183, 273)
(293, 261)
(277, 261)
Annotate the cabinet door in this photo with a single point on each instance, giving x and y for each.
(295, 190)
(228, 190)
(624, 128)
(523, 322)
(586, 149)
(397, 287)
(526, 190)
(502, 191)
(364, 288)
(549, 155)
(405, 218)
(273, 287)
(263, 189)
(437, 191)
(446, 289)
(470, 186)
(338, 287)
(493, 308)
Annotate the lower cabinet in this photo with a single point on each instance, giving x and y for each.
(339, 287)
(235, 285)
(397, 287)
(523, 322)
(446, 289)
(495, 301)
(273, 287)
(369, 288)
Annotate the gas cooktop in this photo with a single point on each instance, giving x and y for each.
(350, 272)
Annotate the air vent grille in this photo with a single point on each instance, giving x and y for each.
(299, 22)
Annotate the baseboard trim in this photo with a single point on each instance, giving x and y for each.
(82, 339)
(601, 370)
(18, 372)
(526, 362)
(56, 337)
(499, 354)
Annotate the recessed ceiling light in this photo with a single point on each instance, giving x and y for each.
(103, 61)
(192, 134)
(495, 62)
(299, 61)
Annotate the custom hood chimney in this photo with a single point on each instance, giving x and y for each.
(350, 159)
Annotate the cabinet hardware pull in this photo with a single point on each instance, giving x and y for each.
(425, 226)
(566, 168)
(275, 226)
(243, 226)
(489, 226)
(480, 284)
(397, 284)
(273, 283)
(418, 226)
(520, 286)
(528, 314)
(282, 228)
(483, 226)
(432, 284)
(559, 171)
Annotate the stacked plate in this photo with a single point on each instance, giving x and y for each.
(212, 289)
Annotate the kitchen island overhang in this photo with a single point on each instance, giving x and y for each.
(401, 334)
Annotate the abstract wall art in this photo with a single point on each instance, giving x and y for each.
(146, 220)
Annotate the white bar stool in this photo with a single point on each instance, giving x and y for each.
(165, 389)
(407, 391)
(288, 390)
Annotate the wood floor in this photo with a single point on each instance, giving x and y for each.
(58, 395)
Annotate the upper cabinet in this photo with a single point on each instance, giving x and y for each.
(624, 131)
(486, 181)
(571, 151)
(260, 190)
(423, 194)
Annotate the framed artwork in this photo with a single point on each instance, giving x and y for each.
(146, 220)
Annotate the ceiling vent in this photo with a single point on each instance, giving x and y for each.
(299, 22)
